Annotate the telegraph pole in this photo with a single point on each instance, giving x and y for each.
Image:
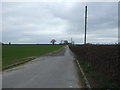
(71, 40)
(85, 23)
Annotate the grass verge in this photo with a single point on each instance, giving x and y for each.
(12, 54)
(96, 79)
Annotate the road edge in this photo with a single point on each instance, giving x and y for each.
(87, 84)
(84, 77)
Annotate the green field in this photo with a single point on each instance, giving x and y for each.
(10, 53)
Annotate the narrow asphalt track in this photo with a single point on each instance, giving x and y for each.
(54, 70)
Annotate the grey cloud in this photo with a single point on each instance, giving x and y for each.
(103, 16)
(40, 22)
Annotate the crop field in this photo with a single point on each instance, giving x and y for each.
(102, 60)
(11, 53)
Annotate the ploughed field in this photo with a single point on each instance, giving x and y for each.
(102, 60)
(13, 53)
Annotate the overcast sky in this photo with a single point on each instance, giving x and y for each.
(25, 22)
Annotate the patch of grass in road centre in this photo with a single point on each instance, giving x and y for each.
(12, 52)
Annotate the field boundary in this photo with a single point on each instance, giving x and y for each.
(56, 50)
(21, 62)
(82, 72)
(27, 59)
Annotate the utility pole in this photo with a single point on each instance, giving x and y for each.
(71, 40)
(85, 23)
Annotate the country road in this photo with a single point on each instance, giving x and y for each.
(54, 70)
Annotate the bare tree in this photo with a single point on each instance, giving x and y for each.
(53, 41)
(66, 42)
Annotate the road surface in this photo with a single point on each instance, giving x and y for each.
(54, 70)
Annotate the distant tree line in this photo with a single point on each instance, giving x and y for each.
(62, 42)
